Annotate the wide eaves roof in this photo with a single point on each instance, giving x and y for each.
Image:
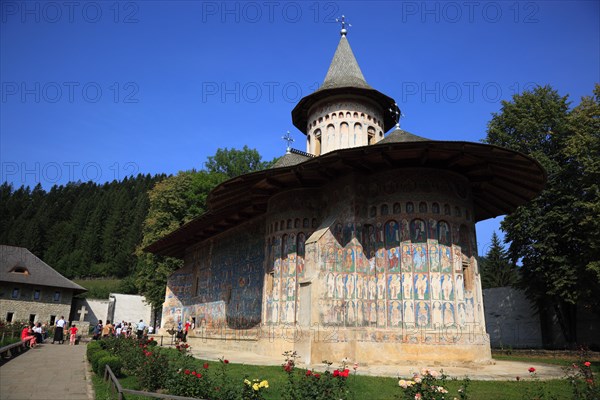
(501, 180)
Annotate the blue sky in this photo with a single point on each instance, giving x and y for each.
(95, 90)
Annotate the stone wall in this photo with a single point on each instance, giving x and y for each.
(37, 300)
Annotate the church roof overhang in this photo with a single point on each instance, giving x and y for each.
(302, 109)
(500, 180)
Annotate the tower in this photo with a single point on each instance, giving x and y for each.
(345, 111)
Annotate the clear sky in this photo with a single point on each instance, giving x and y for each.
(97, 90)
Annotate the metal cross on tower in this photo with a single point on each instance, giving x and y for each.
(288, 138)
(396, 114)
(342, 20)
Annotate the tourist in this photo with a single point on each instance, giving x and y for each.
(140, 329)
(97, 330)
(27, 335)
(108, 329)
(188, 325)
(73, 335)
(118, 329)
(38, 332)
(59, 331)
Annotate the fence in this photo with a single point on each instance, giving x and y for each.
(115, 386)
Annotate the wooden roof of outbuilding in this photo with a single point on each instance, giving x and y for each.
(19, 265)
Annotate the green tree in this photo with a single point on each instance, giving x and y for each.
(232, 163)
(545, 234)
(497, 270)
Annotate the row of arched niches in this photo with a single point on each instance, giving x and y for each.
(367, 239)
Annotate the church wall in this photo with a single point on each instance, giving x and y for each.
(384, 259)
(394, 258)
(292, 217)
(221, 283)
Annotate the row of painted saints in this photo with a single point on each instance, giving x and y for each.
(405, 286)
(382, 313)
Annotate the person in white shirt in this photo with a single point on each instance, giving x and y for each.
(59, 331)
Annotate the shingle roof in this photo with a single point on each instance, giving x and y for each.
(400, 136)
(294, 157)
(38, 272)
(344, 70)
(345, 78)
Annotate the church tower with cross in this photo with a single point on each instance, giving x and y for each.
(344, 111)
(363, 246)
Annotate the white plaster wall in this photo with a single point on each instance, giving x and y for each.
(96, 309)
(131, 308)
(510, 319)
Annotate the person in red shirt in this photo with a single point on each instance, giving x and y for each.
(27, 334)
(188, 325)
(73, 334)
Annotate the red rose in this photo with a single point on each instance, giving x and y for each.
(590, 381)
(287, 367)
(194, 373)
(336, 373)
(532, 370)
(205, 366)
(308, 373)
(225, 361)
(187, 372)
(199, 375)
(344, 374)
(587, 364)
(317, 376)
(151, 339)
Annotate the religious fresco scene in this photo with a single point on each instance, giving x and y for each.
(363, 245)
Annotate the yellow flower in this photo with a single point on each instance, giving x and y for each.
(247, 382)
(256, 387)
(264, 384)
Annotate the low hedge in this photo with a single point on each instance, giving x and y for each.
(114, 362)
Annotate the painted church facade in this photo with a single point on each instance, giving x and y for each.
(362, 247)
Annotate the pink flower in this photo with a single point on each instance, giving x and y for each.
(531, 369)
(587, 364)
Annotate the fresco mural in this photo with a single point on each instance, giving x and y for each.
(396, 274)
(229, 282)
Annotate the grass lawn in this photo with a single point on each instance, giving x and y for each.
(373, 388)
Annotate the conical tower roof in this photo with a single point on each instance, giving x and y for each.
(344, 77)
(344, 70)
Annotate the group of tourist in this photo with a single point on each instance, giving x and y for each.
(125, 329)
(37, 333)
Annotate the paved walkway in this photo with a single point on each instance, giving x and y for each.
(48, 371)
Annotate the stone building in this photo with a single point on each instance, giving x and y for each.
(362, 247)
(30, 290)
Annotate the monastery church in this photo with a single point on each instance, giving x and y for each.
(362, 247)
